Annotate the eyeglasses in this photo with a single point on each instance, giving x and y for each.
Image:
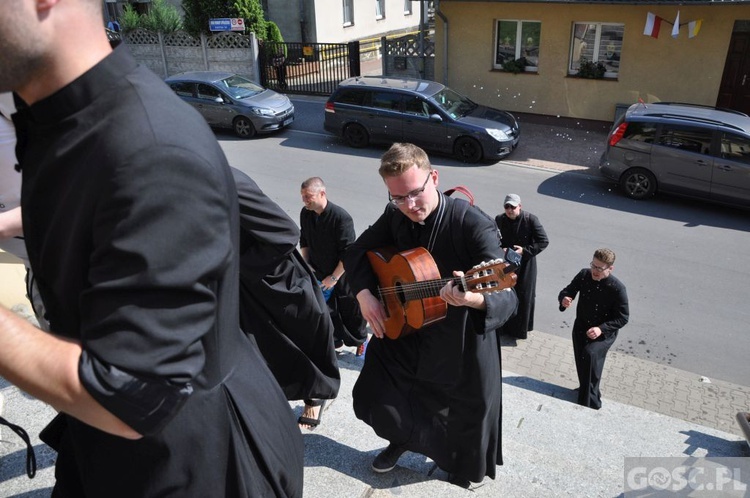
(510, 206)
(401, 199)
(599, 268)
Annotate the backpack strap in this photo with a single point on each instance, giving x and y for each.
(462, 189)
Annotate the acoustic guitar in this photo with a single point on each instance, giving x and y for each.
(410, 286)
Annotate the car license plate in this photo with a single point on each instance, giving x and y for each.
(287, 121)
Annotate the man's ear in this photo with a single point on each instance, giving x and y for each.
(42, 5)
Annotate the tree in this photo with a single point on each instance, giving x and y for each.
(198, 12)
(252, 12)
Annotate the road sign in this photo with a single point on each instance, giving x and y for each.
(227, 24)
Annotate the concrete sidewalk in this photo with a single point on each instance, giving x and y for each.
(552, 447)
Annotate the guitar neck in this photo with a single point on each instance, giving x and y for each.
(422, 290)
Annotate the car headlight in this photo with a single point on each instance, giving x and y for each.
(260, 111)
(498, 135)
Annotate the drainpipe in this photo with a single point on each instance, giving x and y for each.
(302, 27)
(445, 41)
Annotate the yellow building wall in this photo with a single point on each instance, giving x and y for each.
(664, 69)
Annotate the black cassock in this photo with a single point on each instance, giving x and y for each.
(439, 390)
(602, 304)
(131, 222)
(280, 301)
(525, 231)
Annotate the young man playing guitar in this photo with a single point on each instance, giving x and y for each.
(436, 391)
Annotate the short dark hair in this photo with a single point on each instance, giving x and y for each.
(314, 183)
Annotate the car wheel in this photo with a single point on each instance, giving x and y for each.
(356, 136)
(638, 183)
(243, 127)
(467, 150)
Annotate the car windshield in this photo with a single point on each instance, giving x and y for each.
(453, 103)
(239, 88)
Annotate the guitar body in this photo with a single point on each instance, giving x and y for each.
(409, 285)
(394, 269)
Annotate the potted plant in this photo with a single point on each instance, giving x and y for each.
(591, 70)
(515, 66)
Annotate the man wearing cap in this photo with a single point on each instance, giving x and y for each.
(522, 232)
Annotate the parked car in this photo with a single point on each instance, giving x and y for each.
(684, 149)
(228, 100)
(369, 109)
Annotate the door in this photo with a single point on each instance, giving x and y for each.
(421, 129)
(731, 176)
(382, 116)
(681, 159)
(215, 113)
(734, 92)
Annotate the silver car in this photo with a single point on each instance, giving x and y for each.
(684, 149)
(228, 100)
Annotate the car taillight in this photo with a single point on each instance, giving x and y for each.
(617, 135)
(329, 107)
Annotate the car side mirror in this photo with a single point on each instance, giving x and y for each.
(218, 99)
(436, 118)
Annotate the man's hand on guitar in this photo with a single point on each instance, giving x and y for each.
(454, 296)
(372, 311)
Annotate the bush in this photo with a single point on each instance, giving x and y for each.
(273, 33)
(130, 19)
(591, 70)
(162, 17)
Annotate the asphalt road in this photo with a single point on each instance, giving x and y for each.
(682, 261)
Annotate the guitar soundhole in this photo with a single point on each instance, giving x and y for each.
(400, 293)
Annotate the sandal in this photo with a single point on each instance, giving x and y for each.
(312, 422)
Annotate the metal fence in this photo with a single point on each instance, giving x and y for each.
(307, 68)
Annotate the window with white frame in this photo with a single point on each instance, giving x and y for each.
(407, 7)
(379, 9)
(597, 43)
(348, 12)
(517, 40)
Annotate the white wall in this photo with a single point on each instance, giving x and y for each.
(329, 19)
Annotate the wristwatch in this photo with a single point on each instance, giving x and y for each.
(334, 278)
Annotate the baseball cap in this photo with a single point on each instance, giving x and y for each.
(512, 199)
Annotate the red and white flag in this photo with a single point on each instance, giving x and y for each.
(653, 23)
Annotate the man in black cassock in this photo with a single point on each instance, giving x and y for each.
(438, 391)
(281, 303)
(326, 232)
(522, 232)
(601, 312)
(130, 218)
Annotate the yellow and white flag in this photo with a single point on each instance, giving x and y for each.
(694, 27)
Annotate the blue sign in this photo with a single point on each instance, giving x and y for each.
(226, 24)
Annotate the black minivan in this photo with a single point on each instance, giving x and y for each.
(372, 109)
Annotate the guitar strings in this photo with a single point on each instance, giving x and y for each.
(417, 286)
